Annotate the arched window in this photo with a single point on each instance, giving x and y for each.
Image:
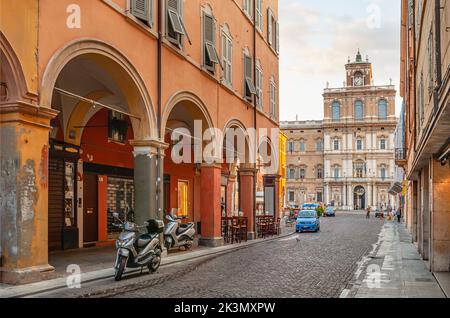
(302, 173)
(382, 109)
(359, 110)
(336, 111)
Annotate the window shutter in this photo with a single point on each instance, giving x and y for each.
(141, 9)
(277, 35)
(269, 26)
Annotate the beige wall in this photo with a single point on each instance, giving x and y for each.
(306, 190)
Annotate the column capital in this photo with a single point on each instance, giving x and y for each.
(148, 147)
(27, 113)
(211, 165)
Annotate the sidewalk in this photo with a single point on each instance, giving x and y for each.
(97, 263)
(394, 269)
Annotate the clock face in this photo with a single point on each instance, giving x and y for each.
(359, 81)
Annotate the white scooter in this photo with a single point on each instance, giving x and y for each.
(178, 235)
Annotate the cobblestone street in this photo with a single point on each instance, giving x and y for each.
(303, 265)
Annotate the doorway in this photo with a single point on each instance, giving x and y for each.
(90, 209)
(359, 199)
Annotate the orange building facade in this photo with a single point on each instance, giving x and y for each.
(91, 93)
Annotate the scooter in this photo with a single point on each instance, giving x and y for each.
(178, 235)
(137, 250)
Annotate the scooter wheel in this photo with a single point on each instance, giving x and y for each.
(153, 266)
(120, 268)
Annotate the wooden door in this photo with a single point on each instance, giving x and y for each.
(90, 208)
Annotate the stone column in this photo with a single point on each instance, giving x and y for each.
(327, 194)
(369, 195)
(24, 152)
(350, 197)
(375, 196)
(247, 175)
(145, 181)
(210, 205)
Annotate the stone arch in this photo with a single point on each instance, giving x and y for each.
(12, 71)
(188, 97)
(120, 69)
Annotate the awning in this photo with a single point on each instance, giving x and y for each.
(396, 188)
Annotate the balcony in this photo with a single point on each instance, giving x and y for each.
(400, 157)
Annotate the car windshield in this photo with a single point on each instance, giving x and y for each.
(330, 210)
(307, 214)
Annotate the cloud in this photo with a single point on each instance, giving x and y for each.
(316, 41)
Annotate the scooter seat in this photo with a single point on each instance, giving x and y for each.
(145, 239)
(184, 228)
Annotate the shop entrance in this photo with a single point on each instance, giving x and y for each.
(90, 209)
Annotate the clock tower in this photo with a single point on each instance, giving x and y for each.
(359, 72)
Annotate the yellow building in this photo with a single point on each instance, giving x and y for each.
(282, 187)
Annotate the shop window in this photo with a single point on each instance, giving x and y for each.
(120, 194)
(183, 199)
(117, 127)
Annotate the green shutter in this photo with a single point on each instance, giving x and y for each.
(141, 9)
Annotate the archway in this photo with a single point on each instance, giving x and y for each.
(191, 187)
(359, 198)
(95, 165)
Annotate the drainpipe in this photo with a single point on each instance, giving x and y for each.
(437, 13)
(159, 177)
(255, 174)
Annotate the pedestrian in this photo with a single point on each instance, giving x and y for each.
(399, 215)
(368, 213)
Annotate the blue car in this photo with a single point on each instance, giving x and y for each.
(307, 221)
(330, 212)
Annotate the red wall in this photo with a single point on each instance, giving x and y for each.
(99, 150)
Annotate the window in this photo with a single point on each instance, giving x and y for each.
(430, 63)
(302, 173)
(319, 197)
(227, 57)
(249, 89)
(319, 173)
(273, 31)
(273, 100)
(291, 146)
(302, 146)
(143, 10)
(117, 127)
(259, 16)
(382, 109)
(336, 172)
(336, 144)
(359, 110)
(359, 144)
(359, 168)
(383, 172)
(336, 111)
(291, 174)
(183, 199)
(383, 144)
(319, 145)
(259, 86)
(291, 196)
(210, 56)
(421, 112)
(248, 7)
(175, 26)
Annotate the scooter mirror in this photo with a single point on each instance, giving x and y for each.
(116, 215)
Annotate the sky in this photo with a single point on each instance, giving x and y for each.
(316, 39)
